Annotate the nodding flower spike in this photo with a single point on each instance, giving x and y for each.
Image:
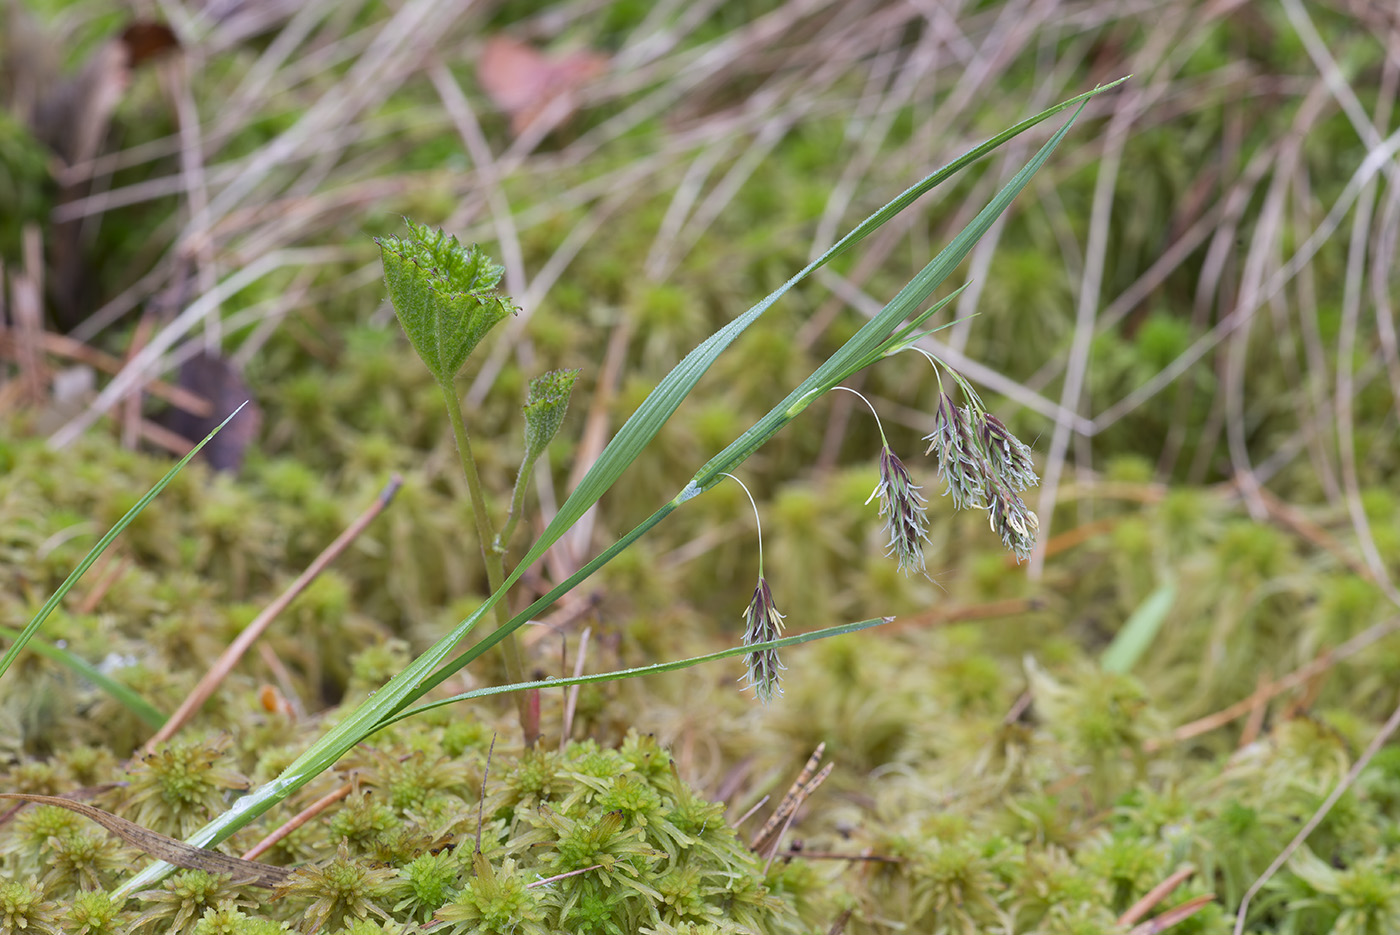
(763, 623)
(1009, 456)
(906, 519)
(985, 466)
(953, 446)
(1013, 521)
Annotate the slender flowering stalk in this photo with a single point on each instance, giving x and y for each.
(762, 623)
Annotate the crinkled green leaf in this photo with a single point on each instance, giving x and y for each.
(443, 294)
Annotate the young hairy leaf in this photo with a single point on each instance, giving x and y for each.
(443, 294)
(544, 409)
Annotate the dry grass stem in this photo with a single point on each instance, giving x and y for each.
(1378, 741)
(1154, 896)
(772, 829)
(297, 820)
(571, 695)
(1299, 676)
(1173, 916)
(251, 633)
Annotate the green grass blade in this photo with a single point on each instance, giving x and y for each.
(654, 669)
(657, 408)
(52, 603)
(124, 694)
(1139, 631)
(866, 343)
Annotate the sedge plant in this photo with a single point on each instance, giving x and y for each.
(445, 298)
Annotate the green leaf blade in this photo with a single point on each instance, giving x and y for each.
(52, 603)
(1139, 631)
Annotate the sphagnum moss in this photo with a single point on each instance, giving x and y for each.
(1231, 817)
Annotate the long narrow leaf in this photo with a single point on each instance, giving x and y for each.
(52, 603)
(865, 342)
(124, 694)
(656, 668)
(1140, 630)
(662, 402)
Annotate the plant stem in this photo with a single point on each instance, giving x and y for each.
(495, 567)
(517, 505)
(451, 667)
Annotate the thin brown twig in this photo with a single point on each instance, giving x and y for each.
(1306, 698)
(230, 657)
(1173, 915)
(762, 839)
(802, 795)
(1295, 678)
(1071, 538)
(1018, 708)
(111, 573)
(1255, 724)
(284, 679)
(1155, 895)
(1291, 518)
(62, 345)
(297, 820)
(770, 836)
(1378, 741)
(164, 439)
